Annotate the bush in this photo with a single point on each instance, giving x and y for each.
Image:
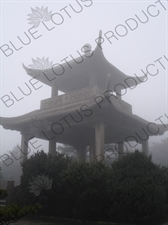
(87, 186)
(131, 190)
(136, 193)
(38, 172)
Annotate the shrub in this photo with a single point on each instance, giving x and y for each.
(131, 190)
(135, 194)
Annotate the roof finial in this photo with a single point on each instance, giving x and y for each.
(100, 36)
(99, 40)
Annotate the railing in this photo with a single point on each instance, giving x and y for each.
(77, 96)
(3, 202)
(9, 187)
(70, 98)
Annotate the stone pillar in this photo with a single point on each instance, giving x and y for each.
(92, 152)
(81, 154)
(24, 147)
(54, 91)
(120, 150)
(52, 147)
(145, 147)
(99, 140)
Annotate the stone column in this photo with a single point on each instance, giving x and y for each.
(145, 147)
(52, 147)
(120, 150)
(24, 147)
(92, 152)
(81, 154)
(99, 140)
(54, 91)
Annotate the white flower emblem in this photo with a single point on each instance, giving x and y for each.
(41, 63)
(38, 15)
(39, 184)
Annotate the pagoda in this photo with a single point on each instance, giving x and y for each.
(89, 113)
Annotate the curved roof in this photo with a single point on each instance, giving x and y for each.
(93, 64)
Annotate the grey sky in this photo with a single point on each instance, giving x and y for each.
(134, 50)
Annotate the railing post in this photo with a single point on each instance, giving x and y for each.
(10, 189)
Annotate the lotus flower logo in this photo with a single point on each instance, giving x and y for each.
(39, 184)
(41, 63)
(39, 15)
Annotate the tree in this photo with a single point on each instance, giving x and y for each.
(159, 152)
(137, 190)
(12, 170)
(86, 190)
(40, 164)
(132, 190)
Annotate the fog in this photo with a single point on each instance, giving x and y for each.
(135, 47)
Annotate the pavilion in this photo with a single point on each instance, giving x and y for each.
(90, 113)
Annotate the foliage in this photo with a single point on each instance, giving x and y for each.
(3, 193)
(12, 169)
(86, 184)
(137, 194)
(41, 164)
(159, 152)
(13, 212)
(132, 190)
